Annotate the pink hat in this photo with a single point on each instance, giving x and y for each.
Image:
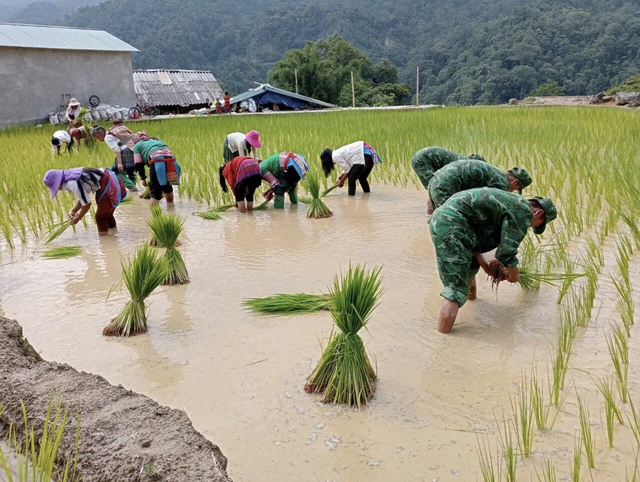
(53, 180)
(253, 138)
(73, 102)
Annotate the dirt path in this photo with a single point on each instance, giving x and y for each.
(124, 436)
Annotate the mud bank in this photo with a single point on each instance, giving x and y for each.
(124, 436)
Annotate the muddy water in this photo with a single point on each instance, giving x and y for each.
(240, 376)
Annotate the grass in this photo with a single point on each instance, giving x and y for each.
(36, 456)
(62, 252)
(141, 275)
(289, 304)
(166, 229)
(344, 372)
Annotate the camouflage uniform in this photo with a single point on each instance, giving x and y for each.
(428, 160)
(476, 220)
(462, 175)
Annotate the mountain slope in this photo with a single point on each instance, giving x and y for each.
(469, 51)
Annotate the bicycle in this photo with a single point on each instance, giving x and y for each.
(142, 109)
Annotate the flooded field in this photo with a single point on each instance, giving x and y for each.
(240, 376)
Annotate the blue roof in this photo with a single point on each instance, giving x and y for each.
(263, 88)
(60, 38)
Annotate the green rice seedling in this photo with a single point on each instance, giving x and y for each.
(36, 457)
(588, 438)
(548, 472)
(146, 194)
(208, 215)
(633, 476)
(508, 451)
(530, 280)
(328, 190)
(166, 228)
(344, 372)
(626, 307)
(577, 459)
(611, 410)
(141, 275)
(619, 353)
(560, 363)
(634, 422)
(263, 205)
(487, 464)
(289, 304)
(522, 411)
(57, 230)
(540, 409)
(316, 209)
(63, 252)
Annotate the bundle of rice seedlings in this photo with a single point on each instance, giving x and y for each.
(530, 280)
(166, 228)
(213, 214)
(289, 304)
(261, 206)
(141, 275)
(127, 200)
(57, 230)
(146, 194)
(316, 209)
(344, 372)
(327, 191)
(63, 252)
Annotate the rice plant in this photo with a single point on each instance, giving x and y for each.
(560, 363)
(605, 386)
(146, 194)
(540, 409)
(141, 275)
(62, 252)
(344, 372)
(36, 456)
(634, 422)
(587, 436)
(328, 190)
(548, 472)
(289, 304)
(316, 208)
(633, 476)
(619, 353)
(577, 459)
(213, 214)
(509, 454)
(530, 280)
(166, 228)
(522, 411)
(57, 230)
(488, 468)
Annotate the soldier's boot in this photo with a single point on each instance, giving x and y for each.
(293, 196)
(278, 201)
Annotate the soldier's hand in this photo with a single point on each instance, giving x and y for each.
(513, 274)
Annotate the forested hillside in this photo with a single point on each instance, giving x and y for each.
(468, 51)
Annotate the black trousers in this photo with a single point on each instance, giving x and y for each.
(360, 172)
(246, 188)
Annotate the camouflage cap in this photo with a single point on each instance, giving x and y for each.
(550, 212)
(522, 176)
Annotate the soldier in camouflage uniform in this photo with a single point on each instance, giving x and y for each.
(468, 174)
(473, 222)
(428, 160)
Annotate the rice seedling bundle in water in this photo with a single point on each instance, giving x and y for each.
(146, 194)
(289, 304)
(316, 208)
(57, 230)
(530, 280)
(327, 191)
(141, 275)
(166, 228)
(213, 214)
(344, 372)
(63, 252)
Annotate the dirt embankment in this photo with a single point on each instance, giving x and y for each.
(124, 436)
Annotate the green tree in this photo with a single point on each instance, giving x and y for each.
(550, 87)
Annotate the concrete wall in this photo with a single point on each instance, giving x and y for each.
(32, 81)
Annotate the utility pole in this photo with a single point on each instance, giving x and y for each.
(418, 85)
(353, 91)
(295, 72)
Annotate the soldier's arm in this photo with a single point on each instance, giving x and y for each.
(513, 232)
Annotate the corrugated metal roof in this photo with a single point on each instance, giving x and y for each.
(60, 38)
(266, 87)
(175, 87)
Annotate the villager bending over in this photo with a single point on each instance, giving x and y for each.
(282, 172)
(164, 170)
(356, 161)
(239, 144)
(243, 176)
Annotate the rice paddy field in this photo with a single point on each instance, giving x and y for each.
(536, 384)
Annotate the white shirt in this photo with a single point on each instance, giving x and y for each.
(349, 155)
(237, 142)
(75, 111)
(62, 136)
(112, 141)
(82, 191)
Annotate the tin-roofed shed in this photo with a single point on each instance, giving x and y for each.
(42, 67)
(176, 89)
(266, 96)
